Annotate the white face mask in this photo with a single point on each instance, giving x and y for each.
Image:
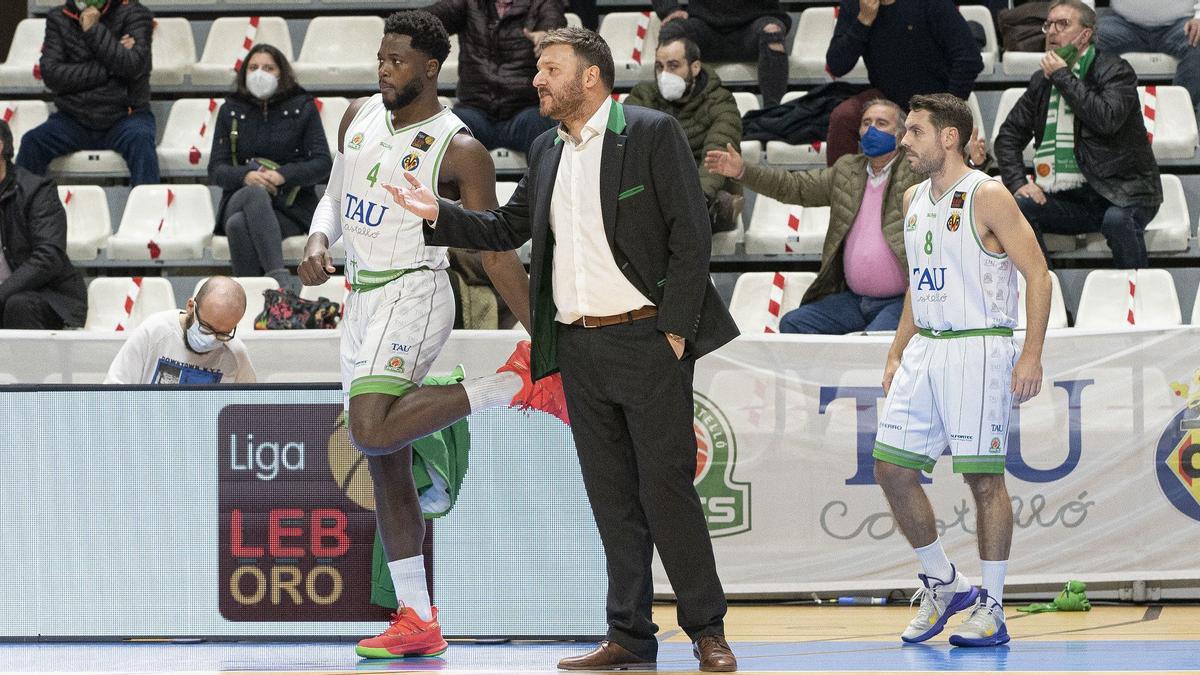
(671, 86)
(199, 341)
(261, 83)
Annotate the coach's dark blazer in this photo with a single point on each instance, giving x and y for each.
(654, 215)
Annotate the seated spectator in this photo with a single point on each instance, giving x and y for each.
(1167, 26)
(96, 61)
(735, 30)
(862, 279)
(909, 47)
(691, 92)
(496, 64)
(39, 288)
(1093, 167)
(269, 151)
(196, 346)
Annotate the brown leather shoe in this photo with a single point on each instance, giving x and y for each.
(714, 654)
(607, 656)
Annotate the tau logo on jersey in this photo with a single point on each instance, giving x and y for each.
(366, 212)
(930, 278)
(410, 162)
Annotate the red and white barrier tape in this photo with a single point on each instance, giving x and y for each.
(775, 303)
(9, 111)
(643, 26)
(194, 152)
(1132, 279)
(1150, 110)
(794, 226)
(131, 296)
(155, 251)
(247, 42)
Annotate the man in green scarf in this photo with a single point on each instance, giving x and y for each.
(1093, 169)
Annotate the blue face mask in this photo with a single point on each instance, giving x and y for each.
(876, 142)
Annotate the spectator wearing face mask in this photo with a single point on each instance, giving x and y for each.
(863, 274)
(96, 61)
(269, 152)
(690, 91)
(196, 346)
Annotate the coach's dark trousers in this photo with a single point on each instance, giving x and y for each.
(631, 408)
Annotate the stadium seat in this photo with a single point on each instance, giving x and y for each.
(1170, 228)
(25, 115)
(752, 151)
(1145, 64)
(752, 294)
(254, 287)
(573, 20)
(340, 50)
(185, 212)
(21, 69)
(991, 48)
(89, 224)
(771, 228)
(332, 109)
(504, 192)
(508, 160)
(106, 302)
(448, 75)
(173, 50)
(334, 289)
(814, 32)
(224, 46)
(619, 30)
(1058, 308)
(293, 248)
(1174, 129)
(1104, 302)
(91, 163)
(187, 137)
(1196, 309)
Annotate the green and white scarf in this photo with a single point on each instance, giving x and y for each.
(1054, 165)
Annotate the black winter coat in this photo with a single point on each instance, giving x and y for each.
(287, 130)
(496, 63)
(1111, 147)
(95, 80)
(33, 231)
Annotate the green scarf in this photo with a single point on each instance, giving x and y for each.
(1054, 163)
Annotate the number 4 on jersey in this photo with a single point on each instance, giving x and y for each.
(373, 174)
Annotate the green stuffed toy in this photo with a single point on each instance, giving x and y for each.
(1071, 599)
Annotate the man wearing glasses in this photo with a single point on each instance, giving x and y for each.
(196, 346)
(1093, 169)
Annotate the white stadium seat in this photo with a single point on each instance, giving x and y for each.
(293, 248)
(173, 50)
(752, 151)
(1145, 64)
(619, 30)
(332, 109)
(25, 116)
(814, 32)
(19, 69)
(254, 287)
(1104, 302)
(187, 223)
(1196, 309)
(1170, 228)
(752, 294)
(89, 163)
(106, 302)
(1058, 308)
(573, 20)
(771, 228)
(991, 48)
(340, 50)
(333, 289)
(224, 46)
(448, 75)
(508, 160)
(89, 224)
(1174, 127)
(182, 134)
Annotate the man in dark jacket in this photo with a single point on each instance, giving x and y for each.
(909, 47)
(96, 60)
(735, 30)
(691, 92)
(496, 64)
(39, 288)
(1093, 167)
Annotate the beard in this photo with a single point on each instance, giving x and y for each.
(564, 103)
(403, 97)
(927, 165)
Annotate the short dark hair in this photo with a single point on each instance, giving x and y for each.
(426, 31)
(1087, 15)
(287, 76)
(6, 137)
(691, 50)
(589, 47)
(946, 111)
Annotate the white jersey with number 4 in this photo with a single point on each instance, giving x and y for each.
(382, 239)
(956, 284)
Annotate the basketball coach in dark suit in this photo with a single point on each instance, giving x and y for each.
(623, 305)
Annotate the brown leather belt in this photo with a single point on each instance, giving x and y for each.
(602, 321)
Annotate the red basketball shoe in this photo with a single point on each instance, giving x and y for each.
(408, 635)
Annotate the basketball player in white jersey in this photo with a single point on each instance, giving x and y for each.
(954, 368)
(400, 310)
